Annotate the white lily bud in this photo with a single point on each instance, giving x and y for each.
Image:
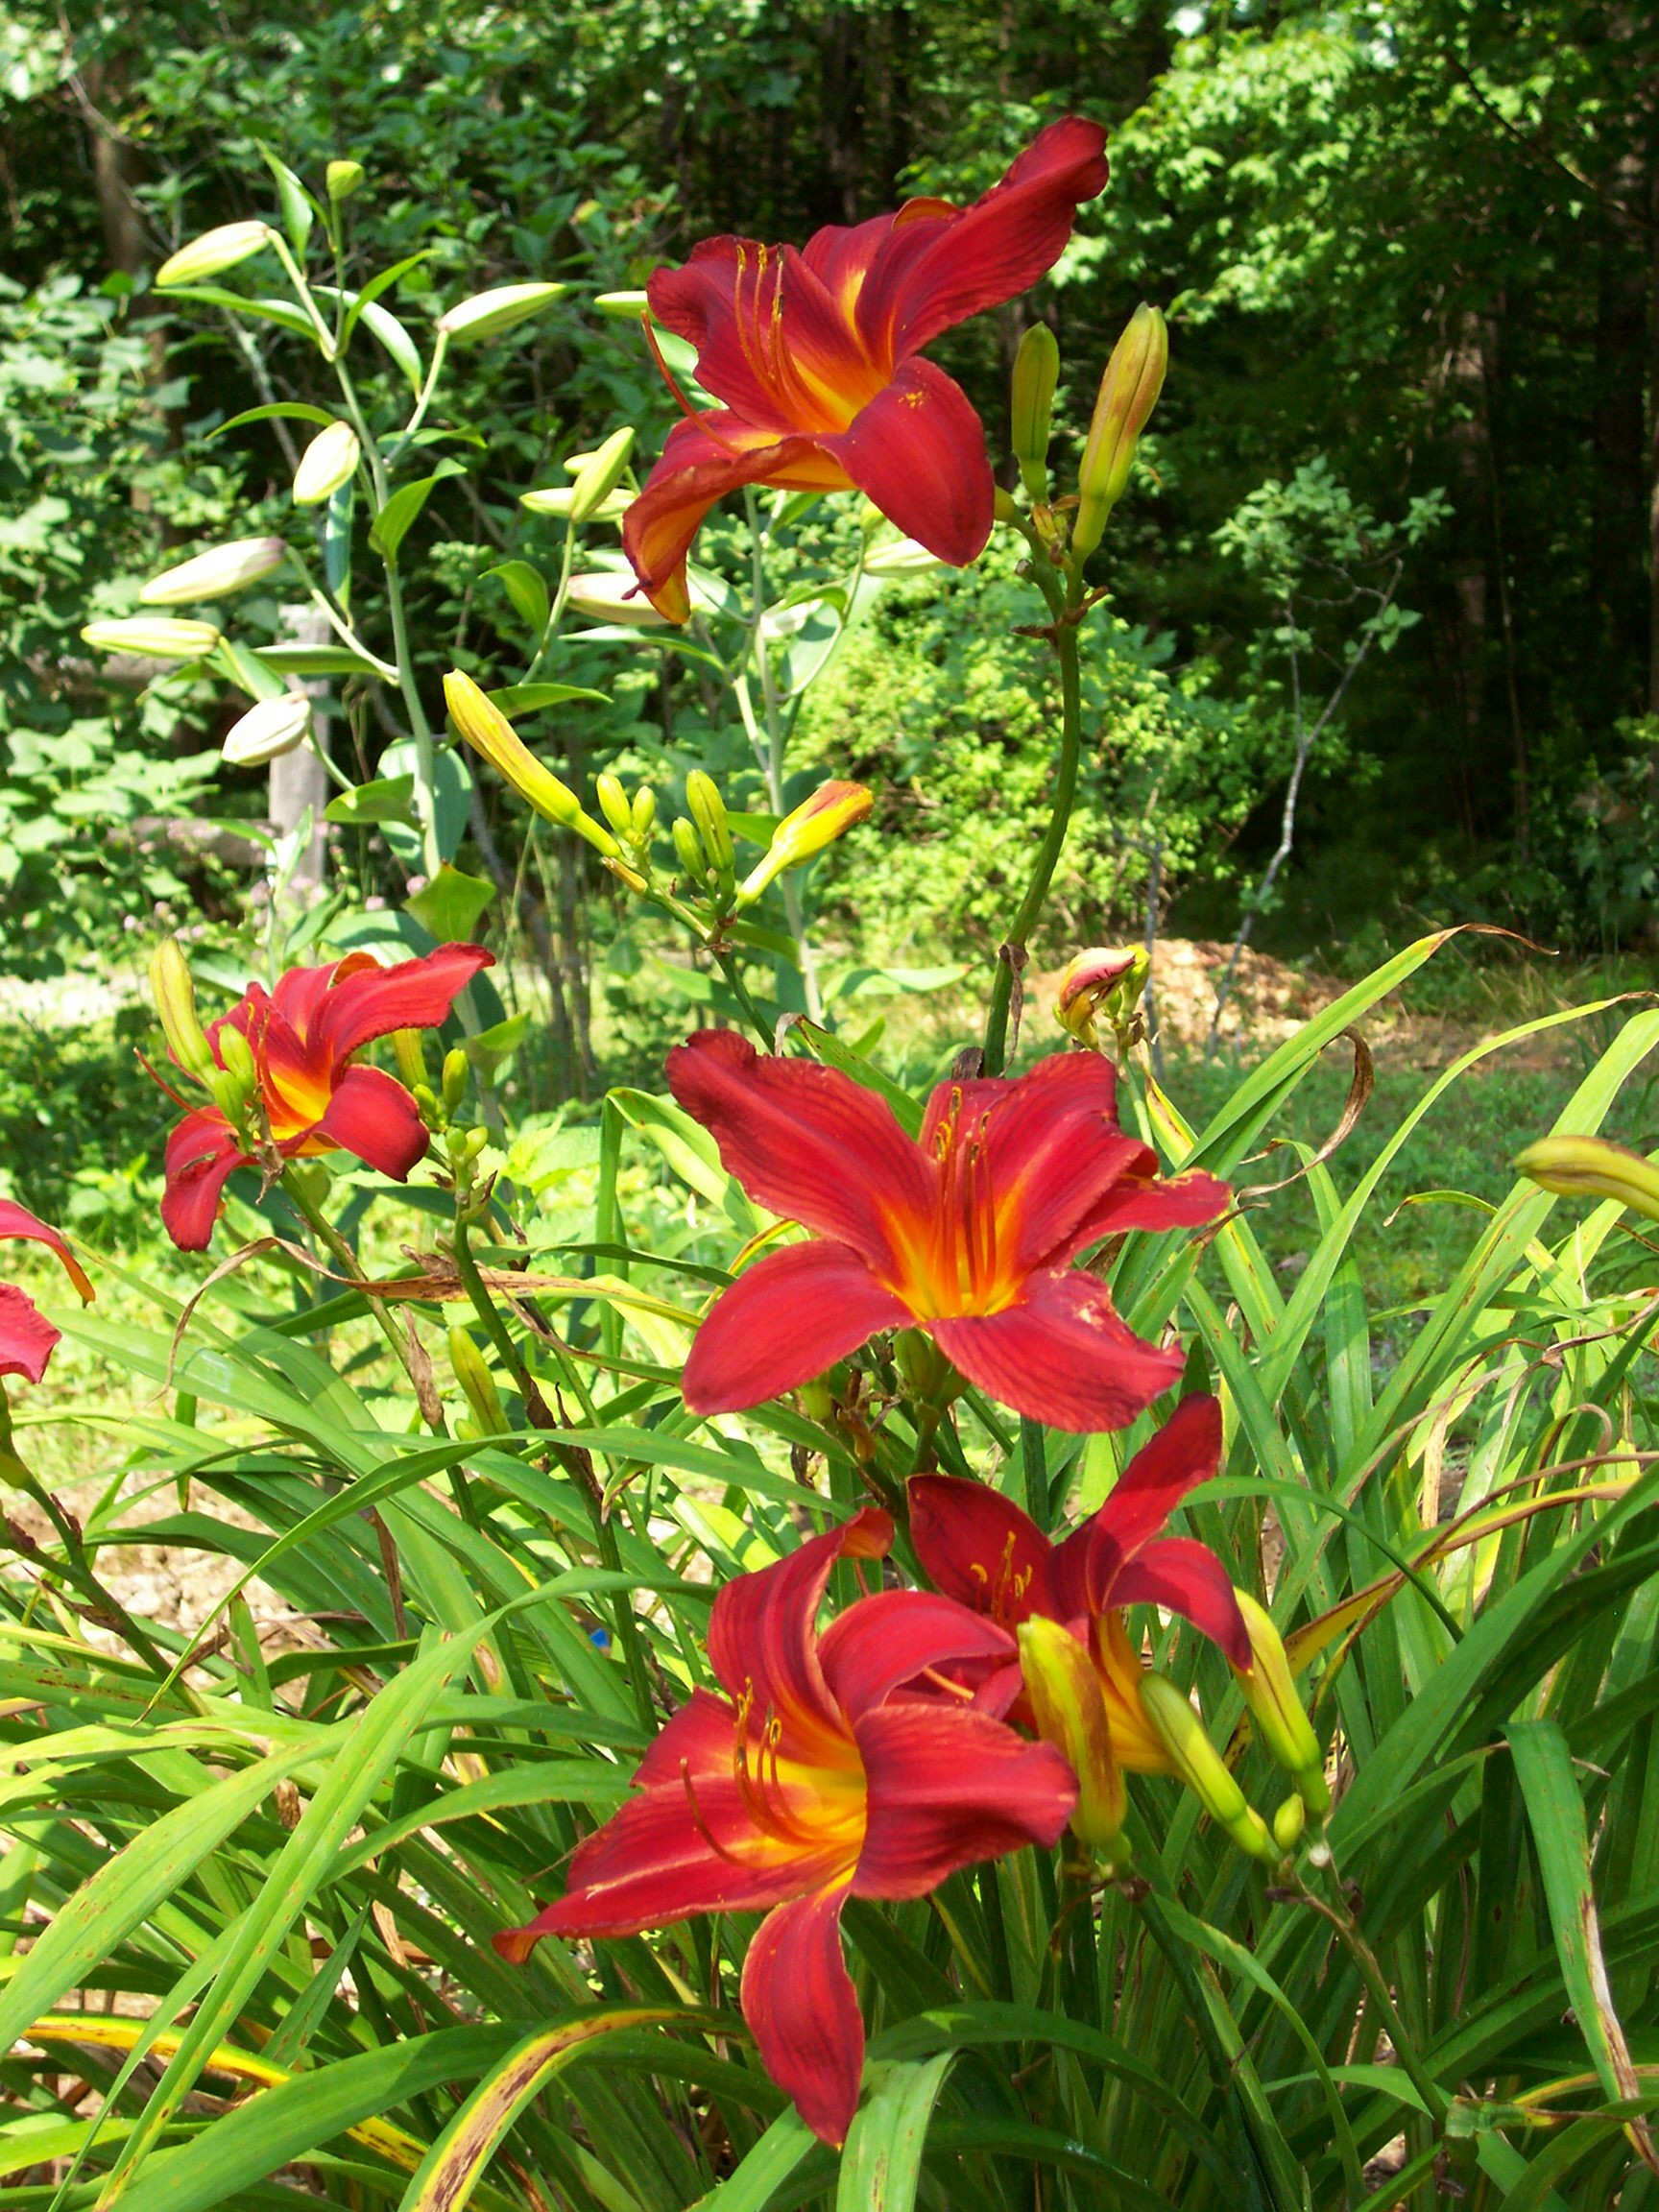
(329, 461)
(156, 637)
(267, 731)
(213, 575)
(212, 253)
(488, 313)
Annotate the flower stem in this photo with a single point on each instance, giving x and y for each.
(1011, 958)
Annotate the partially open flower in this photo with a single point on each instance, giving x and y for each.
(832, 810)
(1070, 1712)
(1101, 983)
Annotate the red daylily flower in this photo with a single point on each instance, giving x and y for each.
(968, 1232)
(978, 1548)
(810, 1781)
(27, 1339)
(312, 1096)
(816, 359)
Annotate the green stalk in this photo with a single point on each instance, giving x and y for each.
(1063, 605)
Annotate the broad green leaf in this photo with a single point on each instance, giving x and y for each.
(527, 589)
(392, 525)
(317, 661)
(450, 905)
(881, 2163)
(390, 799)
(278, 410)
(299, 209)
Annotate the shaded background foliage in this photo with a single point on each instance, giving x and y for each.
(1416, 240)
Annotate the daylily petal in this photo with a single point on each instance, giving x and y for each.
(301, 992)
(770, 342)
(918, 450)
(884, 1640)
(371, 1114)
(979, 1547)
(1186, 1578)
(937, 266)
(799, 2000)
(701, 463)
(26, 1337)
(366, 1002)
(1146, 1200)
(1185, 1451)
(1060, 1356)
(1052, 1148)
(786, 1318)
(17, 1221)
(948, 1790)
(762, 1643)
(808, 1141)
(201, 1153)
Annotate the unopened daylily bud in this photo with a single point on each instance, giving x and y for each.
(488, 313)
(426, 1104)
(606, 595)
(342, 179)
(1036, 373)
(901, 557)
(410, 1056)
(456, 1070)
(1004, 506)
(213, 575)
(267, 731)
(478, 1384)
(621, 306)
(212, 253)
(1270, 1692)
(613, 804)
(708, 812)
(174, 990)
(832, 810)
(1128, 392)
(1101, 983)
(1201, 1766)
(642, 815)
(564, 500)
(156, 637)
(1589, 1167)
(488, 730)
(1288, 1822)
(329, 461)
(1071, 1713)
(689, 851)
(601, 475)
(924, 1368)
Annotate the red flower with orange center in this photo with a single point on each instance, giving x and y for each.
(977, 1547)
(27, 1339)
(968, 1232)
(812, 1779)
(311, 1097)
(816, 359)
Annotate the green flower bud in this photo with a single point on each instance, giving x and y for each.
(1201, 1766)
(1036, 373)
(267, 731)
(1128, 392)
(621, 306)
(643, 814)
(487, 313)
(174, 990)
(708, 812)
(1270, 1692)
(1589, 1167)
(214, 575)
(488, 730)
(342, 179)
(212, 253)
(456, 1070)
(1288, 1822)
(613, 805)
(329, 461)
(688, 851)
(901, 557)
(410, 1054)
(602, 474)
(156, 637)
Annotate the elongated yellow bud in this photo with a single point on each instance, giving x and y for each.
(1270, 1692)
(832, 810)
(477, 1384)
(212, 253)
(156, 637)
(329, 461)
(622, 306)
(235, 1081)
(488, 313)
(1036, 373)
(613, 804)
(642, 814)
(708, 812)
(488, 730)
(214, 575)
(174, 990)
(410, 1056)
(689, 851)
(267, 731)
(1128, 394)
(1288, 1822)
(601, 475)
(1589, 1167)
(1071, 1713)
(1201, 1766)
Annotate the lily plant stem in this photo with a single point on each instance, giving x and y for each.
(769, 743)
(1062, 604)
